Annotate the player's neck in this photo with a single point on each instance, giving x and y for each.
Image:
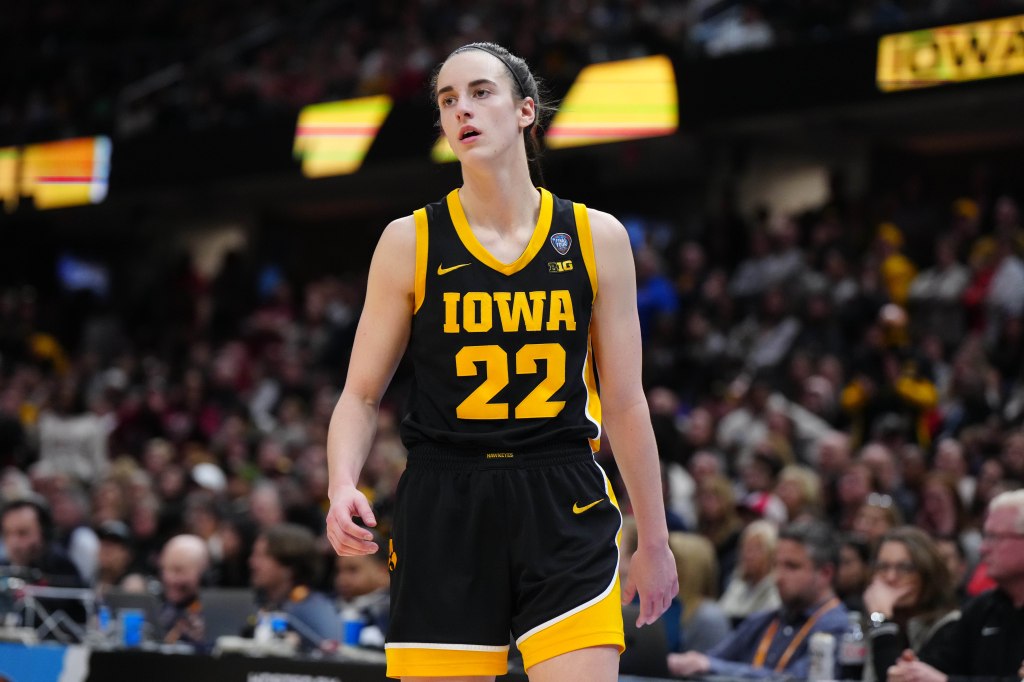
(504, 201)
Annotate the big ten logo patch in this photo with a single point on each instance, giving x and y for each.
(560, 266)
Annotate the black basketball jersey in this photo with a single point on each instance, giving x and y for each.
(501, 352)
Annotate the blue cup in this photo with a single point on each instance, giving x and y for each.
(351, 630)
(131, 626)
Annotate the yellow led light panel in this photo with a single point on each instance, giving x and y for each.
(613, 101)
(333, 138)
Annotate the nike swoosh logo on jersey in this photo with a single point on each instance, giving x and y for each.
(441, 270)
(577, 509)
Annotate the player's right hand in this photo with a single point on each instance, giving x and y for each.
(346, 536)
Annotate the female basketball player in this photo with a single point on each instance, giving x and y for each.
(511, 302)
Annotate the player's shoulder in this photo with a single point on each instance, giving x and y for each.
(399, 233)
(606, 228)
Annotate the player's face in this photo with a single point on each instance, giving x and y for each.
(481, 113)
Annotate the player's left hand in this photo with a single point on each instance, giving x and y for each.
(652, 573)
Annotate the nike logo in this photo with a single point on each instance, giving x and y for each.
(441, 270)
(577, 509)
(985, 632)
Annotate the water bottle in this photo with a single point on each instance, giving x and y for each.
(853, 650)
(823, 657)
(264, 631)
(103, 620)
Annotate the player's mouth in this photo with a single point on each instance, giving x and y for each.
(468, 133)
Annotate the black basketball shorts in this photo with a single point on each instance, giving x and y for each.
(491, 543)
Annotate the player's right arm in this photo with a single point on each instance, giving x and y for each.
(381, 338)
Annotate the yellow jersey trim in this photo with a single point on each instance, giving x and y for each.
(473, 245)
(434, 661)
(586, 243)
(420, 282)
(592, 409)
(600, 624)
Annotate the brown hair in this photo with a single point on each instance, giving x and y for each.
(937, 590)
(294, 547)
(524, 84)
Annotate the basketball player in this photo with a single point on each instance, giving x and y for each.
(512, 302)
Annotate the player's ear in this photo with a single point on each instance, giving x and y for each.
(527, 112)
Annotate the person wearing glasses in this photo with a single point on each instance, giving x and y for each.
(910, 598)
(775, 643)
(988, 639)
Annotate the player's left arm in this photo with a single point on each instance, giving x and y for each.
(615, 332)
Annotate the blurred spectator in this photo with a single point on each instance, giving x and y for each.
(942, 512)
(853, 488)
(72, 440)
(70, 506)
(703, 623)
(752, 587)
(13, 439)
(949, 457)
(910, 599)
(854, 571)
(183, 565)
(876, 517)
(362, 584)
(237, 534)
(799, 488)
(116, 556)
(283, 567)
(656, 298)
(265, 505)
(718, 521)
(896, 269)
(27, 531)
(952, 552)
(934, 295)
(881, 460)
(987, 640)
(777, 639)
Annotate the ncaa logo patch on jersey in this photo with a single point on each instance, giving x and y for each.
(561, 242)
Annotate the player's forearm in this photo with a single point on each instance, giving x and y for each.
(632, 439)
(349, 437)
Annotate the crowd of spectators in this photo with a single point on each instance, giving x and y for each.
(110, 68)
(810, 368)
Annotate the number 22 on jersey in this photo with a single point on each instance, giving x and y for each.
(537, 404)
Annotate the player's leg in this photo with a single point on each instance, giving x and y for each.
(449, 597)
(568, 621)
(593, 664)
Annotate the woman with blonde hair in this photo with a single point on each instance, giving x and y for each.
(752, 586)
(702, 623)
(799, 488)
(719, 522)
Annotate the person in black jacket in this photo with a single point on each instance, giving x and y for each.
(988, 640)
(910, 598)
